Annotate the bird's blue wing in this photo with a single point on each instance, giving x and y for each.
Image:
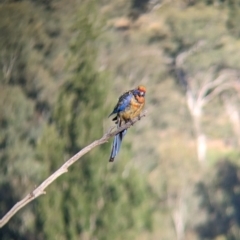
(123, 103)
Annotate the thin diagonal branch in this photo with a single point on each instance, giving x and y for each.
(63, 169)
(218, 90)
(226, 76)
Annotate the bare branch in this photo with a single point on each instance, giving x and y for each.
(63, 169)
(216, 86)
(8, 65)
(183, 55)
(190, 99)
(209, 86)
(217, 91)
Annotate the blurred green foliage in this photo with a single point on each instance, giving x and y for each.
(63, 65)
(219, 202)
(39, 133)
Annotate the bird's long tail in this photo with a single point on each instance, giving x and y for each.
(117, 144)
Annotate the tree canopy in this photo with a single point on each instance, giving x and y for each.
(63, 65)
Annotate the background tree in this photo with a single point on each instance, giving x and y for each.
(92, 196)
(55, 93)
(219, 198)
(233, 17)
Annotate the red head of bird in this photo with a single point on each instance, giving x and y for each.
(141, 90)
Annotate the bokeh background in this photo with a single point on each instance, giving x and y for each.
(63, 65)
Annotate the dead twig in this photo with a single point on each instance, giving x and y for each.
(63, 169)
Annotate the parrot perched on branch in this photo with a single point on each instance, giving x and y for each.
(129, 106)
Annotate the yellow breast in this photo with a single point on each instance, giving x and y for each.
(134, 110)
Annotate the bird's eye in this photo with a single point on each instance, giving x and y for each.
(142, 94)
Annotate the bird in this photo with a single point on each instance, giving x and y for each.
(129, 106)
